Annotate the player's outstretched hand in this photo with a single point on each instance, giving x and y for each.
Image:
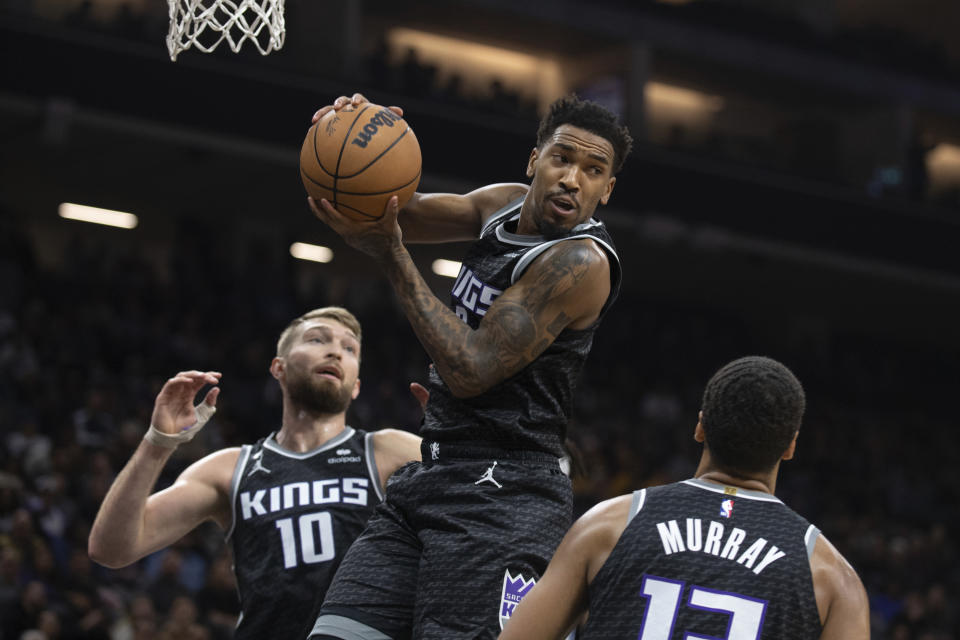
(376, 238)
(174, 411)
(354, 101)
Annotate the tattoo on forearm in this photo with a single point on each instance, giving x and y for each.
(559, 324)
(514, 331)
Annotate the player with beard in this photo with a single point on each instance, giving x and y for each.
(290, 505)
(461, 537)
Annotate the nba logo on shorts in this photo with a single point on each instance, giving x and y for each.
(514, 588)
(726, 508)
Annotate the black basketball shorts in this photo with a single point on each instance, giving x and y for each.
(454, 546)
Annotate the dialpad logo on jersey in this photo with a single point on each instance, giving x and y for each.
(472, 294)
(343, 455)
(514, 588)
(726, 508)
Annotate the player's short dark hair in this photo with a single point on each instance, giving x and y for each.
(752, 409)
(592, 117)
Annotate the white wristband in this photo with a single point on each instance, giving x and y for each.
(173, 440)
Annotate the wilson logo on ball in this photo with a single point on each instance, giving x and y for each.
(358, 159)
(384, 118)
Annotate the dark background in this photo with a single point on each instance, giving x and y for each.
(794, 192)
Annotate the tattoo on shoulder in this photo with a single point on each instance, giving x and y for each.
(566, 266)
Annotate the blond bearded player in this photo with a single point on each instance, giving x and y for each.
(290, 504)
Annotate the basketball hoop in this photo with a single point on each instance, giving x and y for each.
(204, 24)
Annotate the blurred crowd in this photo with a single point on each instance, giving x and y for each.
(813, 27)
(803, 143)
(85, 347)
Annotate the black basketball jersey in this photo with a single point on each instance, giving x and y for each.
(529, 410)
(700, 560)
(294, 516)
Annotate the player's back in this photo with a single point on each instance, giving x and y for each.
(700, 560)
(294, 516)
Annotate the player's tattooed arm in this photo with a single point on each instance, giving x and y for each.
(564, 287)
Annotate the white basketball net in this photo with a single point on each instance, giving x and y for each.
(204, 26)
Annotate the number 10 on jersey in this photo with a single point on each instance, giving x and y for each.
(313, 528)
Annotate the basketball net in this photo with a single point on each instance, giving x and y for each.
(204, 24)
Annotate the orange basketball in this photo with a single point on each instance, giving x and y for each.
(357, 158)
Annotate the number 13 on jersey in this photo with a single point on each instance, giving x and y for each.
(663, 604)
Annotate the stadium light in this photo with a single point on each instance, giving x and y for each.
(446, 268)
(311, 252)
(121, 219)
(945, 155)
(671, 97)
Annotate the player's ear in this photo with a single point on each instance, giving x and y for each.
(788, 454)
(698, 433)
(277, 368)
(356, 390)
(608, 190)
(532, 162)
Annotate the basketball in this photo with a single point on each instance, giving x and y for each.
(358, 157)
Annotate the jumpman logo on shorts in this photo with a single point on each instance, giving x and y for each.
(258, 464)
(488, 476)
(435, 450)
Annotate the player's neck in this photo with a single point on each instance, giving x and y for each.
(525, 224)
(728, 480)
(303, 431)
(767, 482)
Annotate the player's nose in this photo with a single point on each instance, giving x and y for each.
(570, 180)
(334, 351)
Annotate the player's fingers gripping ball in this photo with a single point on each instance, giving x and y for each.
(358, 157)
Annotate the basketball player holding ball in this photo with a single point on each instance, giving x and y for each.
(462, 536)
(290, 504)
